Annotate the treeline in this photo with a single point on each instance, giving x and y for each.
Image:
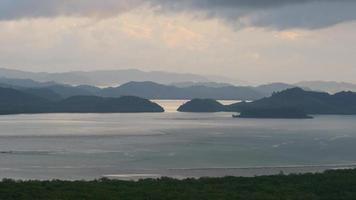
(331, 185)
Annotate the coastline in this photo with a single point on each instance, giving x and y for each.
(75, 174)
(184, 173)
(332, 184)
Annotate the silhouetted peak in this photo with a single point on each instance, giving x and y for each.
(202, 105)
(141, 83)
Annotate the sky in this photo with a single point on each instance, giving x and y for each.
(257, 41)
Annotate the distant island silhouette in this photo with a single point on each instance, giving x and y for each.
(290, 103)
(17, 102)
(202, 105)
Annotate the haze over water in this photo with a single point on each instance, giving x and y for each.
(88, 146)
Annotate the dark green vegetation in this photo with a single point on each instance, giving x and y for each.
(290, 103)
(17, 102)
(202, 105)
(331, 185)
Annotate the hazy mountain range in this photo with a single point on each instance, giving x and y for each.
(107, 78)
(29, 96)
(112, 77)
(147, 89)
(328, 86)
(54, 86)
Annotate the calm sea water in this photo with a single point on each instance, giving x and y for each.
(88, 146)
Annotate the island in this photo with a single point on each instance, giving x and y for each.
(13, 101)
(289, 103)
(202, 105)
(299, 100)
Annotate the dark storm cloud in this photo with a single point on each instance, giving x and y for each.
(277, 14)
(208, 4)
(280, 14)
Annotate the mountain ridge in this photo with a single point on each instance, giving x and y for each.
(290, 103)
(328, 86)
(110, 77)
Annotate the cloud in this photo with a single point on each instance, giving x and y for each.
(17, 9)
(289, 35)
(142, 39)
(314, 15)
(276, 14)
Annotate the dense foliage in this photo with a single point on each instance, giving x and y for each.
(333, 185)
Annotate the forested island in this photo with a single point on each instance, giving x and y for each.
(18, 102)
(290, 103)
(330, 185)
(201, 105)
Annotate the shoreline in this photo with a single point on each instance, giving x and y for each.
(333, 184)
(113, 173)
(184, 173)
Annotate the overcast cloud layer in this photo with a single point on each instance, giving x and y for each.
(257, 41)
(279, 14)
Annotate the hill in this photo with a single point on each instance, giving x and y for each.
(207, 84)
(269, 89)
(94, 104)
(343, 103)
(150, 90)
(26, 83)
(43, 93)
(328, 86)
(110, 77)
(290, 103)
(153, 90)
(202, 105)
(18, 102)
(48, 90)
(147, 89)
(13, 101)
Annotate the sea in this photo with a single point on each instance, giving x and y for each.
(172, 144)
